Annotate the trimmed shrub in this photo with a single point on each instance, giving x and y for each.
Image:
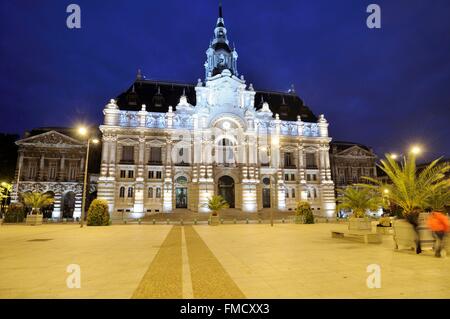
(98, 214)
(303, 213)
(15, 213)
(308, 217)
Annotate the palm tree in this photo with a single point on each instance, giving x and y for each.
(359, 200)
(439, 199)
(216, 203)
(412, 191)
(409, 189)
(37, 200)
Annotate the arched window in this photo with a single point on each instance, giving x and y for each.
(158, 192)
(122, 192)
(130, 191)
(293, 192)
(150, 192)
(181, 180)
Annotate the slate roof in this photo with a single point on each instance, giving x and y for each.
(159, 95)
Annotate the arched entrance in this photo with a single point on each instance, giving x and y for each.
(47, 211)
(226, 189)
(68, 205)
(266, 192)
(181, 198)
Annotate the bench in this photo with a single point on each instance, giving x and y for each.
(362, 236)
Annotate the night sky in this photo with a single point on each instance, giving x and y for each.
(386, 88)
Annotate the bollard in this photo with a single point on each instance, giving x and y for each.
(246, 220)
(168, 221)
(221, 220)
(154, 221)
(259, 221)
(282, 220)
(139, 221)
(125, 221)
(234, 220)
(195, 221)
(181, 221)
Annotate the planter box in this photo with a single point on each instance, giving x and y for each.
(405, 236)
(34, 219)
(385, 230)
(214, 220)
(359, 224)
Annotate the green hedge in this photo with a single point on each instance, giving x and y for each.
(15, 213)
(98, 214)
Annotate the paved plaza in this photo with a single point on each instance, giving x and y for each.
(201, 261)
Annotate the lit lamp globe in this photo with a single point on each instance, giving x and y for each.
(416, 150)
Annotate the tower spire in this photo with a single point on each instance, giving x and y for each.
(220, 9)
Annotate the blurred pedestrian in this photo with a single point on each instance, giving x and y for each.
(439, 225)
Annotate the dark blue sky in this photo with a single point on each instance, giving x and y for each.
(384, 88)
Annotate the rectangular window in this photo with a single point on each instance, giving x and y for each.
(158, 192)
(288, 160)
(150, 174)
(158, 174)
(123, 174)
(155, 155)
(32, 169)
(292, 177)
(314, 177)
(130, 174)
(128, 154)
(52, 170)
(73, 171)
(293, 193)
(286, 177)
(311, 160)
(308, 177)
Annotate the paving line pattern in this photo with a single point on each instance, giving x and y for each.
(163, 278)
(185, 267)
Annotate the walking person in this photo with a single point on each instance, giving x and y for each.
(439, 225)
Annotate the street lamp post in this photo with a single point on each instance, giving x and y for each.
(83, 131)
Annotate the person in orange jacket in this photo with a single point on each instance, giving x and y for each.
(439, 225)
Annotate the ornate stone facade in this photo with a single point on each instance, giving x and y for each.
(350, 162)
(52, 162)
(170, 145)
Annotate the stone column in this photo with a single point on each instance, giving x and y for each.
(139, 186)
(78, 199)
(61, 172)
(41, 168)
(112, 157)
(301, 164)
(57, 206)
(168, 185)
(322, 163)
(105, 155)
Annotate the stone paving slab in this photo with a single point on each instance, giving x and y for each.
(113, 260)
(252, 261)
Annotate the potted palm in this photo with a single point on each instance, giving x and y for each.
(359, 200)
(36, 201)
(215, 204)
(412, 191)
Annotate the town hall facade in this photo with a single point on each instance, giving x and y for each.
(169, 146)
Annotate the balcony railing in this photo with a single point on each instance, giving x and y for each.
(154, 162)
(124, 161)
